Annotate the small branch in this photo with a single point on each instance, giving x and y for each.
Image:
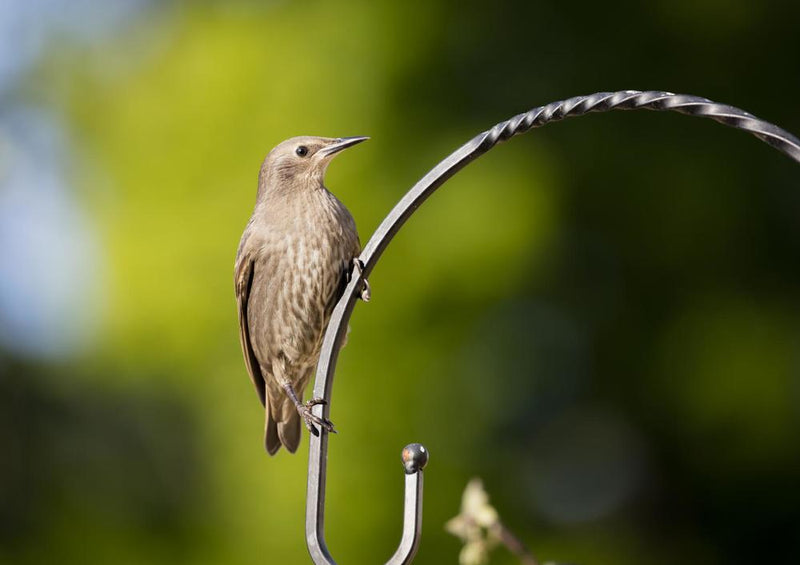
(515, 545)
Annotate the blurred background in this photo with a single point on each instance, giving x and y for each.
(600, 318)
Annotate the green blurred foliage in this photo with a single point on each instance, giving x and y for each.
(600, 319)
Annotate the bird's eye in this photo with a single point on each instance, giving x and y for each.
(302, 151)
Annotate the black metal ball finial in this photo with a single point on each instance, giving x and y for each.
(415, 457)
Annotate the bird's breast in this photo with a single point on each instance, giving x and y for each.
(302, 259)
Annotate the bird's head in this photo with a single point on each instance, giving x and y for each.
(299, 163)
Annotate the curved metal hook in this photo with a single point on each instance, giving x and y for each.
(474, 148)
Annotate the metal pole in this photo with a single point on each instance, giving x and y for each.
(474, 148)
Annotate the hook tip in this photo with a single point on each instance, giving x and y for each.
(415, 457)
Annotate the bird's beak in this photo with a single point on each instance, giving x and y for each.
(339, 144)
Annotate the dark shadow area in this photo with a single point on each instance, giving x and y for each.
(92, 456)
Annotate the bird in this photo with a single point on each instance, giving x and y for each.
(296, 255)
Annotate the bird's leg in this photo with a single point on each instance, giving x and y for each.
(304, 409)
(358, 267)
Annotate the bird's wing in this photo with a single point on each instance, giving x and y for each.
(243, 279)
(333, 298)
(344, 277)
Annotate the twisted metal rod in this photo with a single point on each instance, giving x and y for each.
(649, 100)
(580, 105)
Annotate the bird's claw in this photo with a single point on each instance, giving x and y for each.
(311, 419)
(358, 267)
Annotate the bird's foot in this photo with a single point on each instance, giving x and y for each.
(310, 419)
(358, 267)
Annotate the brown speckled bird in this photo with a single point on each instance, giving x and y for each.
(293, 262)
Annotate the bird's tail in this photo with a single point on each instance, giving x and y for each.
(272, 442)
(286, 431)
(289, 431)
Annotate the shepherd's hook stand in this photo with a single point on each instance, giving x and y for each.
(415, 455)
